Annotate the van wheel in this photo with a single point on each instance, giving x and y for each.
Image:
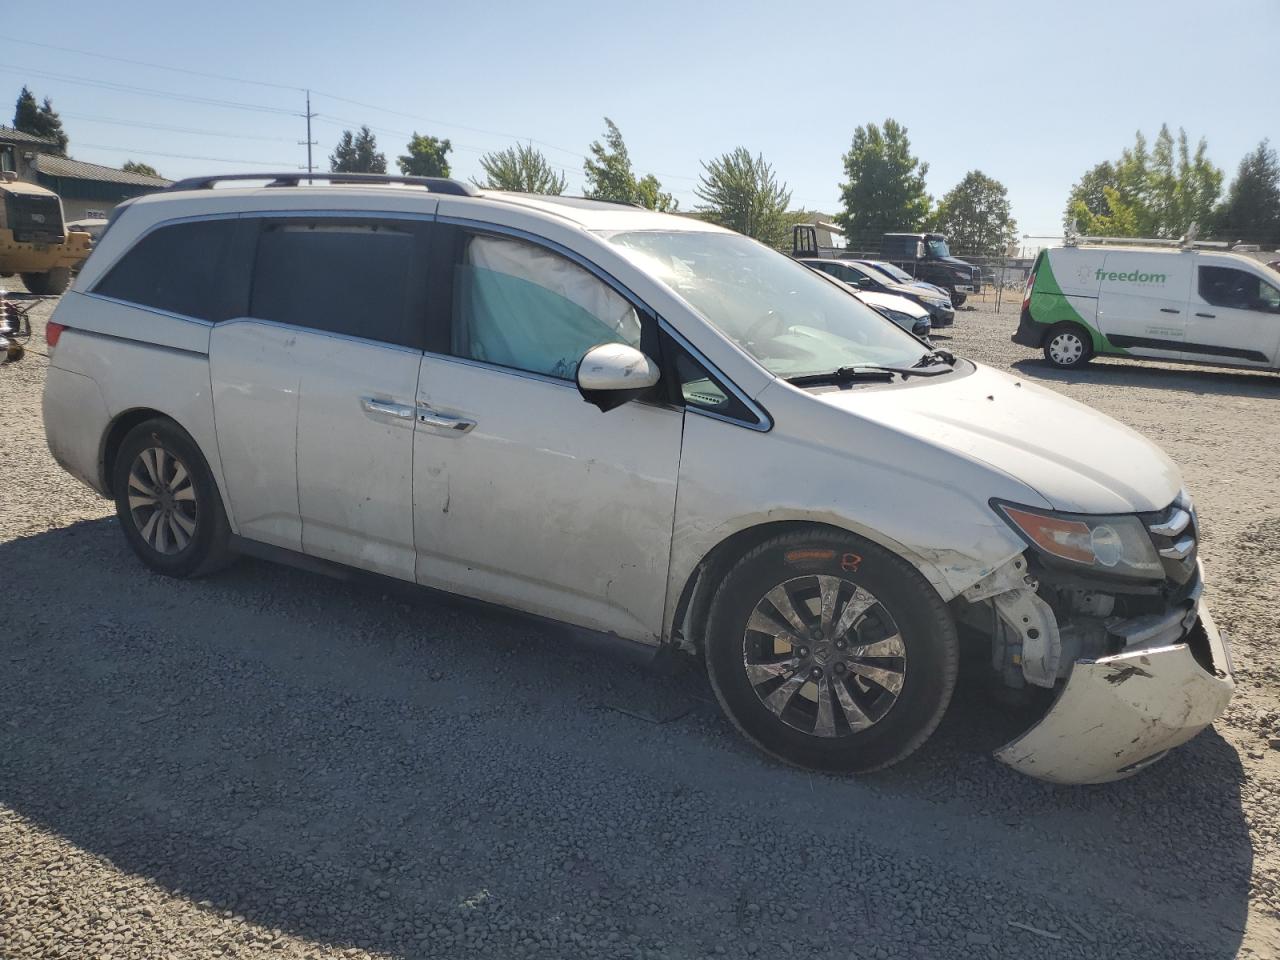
(829, 652)
(50, 283)
(1067, 345)
(167, 502)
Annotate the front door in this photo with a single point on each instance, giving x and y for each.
(1142, 302)
(525, 494)
(1235, 316)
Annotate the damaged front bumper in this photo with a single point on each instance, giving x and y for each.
(1117, 714)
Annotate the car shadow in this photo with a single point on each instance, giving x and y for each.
(1157, 376)
(365, 769)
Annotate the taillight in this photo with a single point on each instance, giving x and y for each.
(52, 332)
(1026, 294)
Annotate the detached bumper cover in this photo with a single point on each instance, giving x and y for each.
(1118, 714)
(1029, 333)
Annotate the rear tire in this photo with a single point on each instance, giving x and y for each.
(167, 503)
(854, 676)
(958, 298)
(48, 284)
(1068, 346)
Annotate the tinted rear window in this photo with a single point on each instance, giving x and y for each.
(177, 268)
(350, 278)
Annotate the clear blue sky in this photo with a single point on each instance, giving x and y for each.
(1030, 93)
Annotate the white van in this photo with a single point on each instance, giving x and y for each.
(645, 426)
(1188, 303)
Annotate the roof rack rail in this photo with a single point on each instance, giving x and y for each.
(434, 184)
(1186, 242)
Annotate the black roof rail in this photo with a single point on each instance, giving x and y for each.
(434, 184)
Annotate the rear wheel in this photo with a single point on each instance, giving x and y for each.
(829, 652)
(167, 502)
(49, 283)
(957, 298)
(1068, 345)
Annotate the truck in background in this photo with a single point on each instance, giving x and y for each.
(34, 241)
(924, 256)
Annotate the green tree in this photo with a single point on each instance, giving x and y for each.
(427, 157)
(357, 153)
(742, 193)
(610, 176)
(39, 120)
(1251, 211)
(649, 194)
(523, 169)
(145, 169)
(884, 186)
(974, 215)
(1156, 192)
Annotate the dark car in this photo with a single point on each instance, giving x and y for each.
(863, 277)
(897, 273)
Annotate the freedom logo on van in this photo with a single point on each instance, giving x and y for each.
(1133, 276)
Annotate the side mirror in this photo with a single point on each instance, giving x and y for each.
(613, 373)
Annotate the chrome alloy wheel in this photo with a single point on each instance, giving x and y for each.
(1066, 348)
(824, 655)
(162, 500)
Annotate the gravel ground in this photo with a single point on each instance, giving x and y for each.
(268, 763)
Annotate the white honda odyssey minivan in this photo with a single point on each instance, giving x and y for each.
(645, 426)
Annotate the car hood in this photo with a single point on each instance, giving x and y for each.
(1078, 459)
(954, 262)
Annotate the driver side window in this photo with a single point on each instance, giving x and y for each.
(522, 306)
(1237, 289)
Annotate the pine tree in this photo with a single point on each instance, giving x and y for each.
(357, 153)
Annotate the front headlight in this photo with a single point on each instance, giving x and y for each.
(936, 303)
(1111, 545)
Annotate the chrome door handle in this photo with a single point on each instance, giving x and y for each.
(455, 425)
(385, 408)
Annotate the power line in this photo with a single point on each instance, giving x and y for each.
(156, 66)
(126, 88)
(186, 156)
(163, 126)
(149, 92)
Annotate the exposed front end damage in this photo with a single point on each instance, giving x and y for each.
(1138, 670)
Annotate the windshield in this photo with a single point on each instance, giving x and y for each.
(938, 248)
(791, 319)
(896, 272)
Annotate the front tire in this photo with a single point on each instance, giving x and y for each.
(1067, 346)
(958, 299)
(830, 653)
(47, 284)
(167, 502)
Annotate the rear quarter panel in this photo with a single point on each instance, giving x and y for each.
(137, 360)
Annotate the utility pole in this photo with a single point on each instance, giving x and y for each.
(308, 142)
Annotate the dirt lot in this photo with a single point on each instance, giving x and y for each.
(267, 763)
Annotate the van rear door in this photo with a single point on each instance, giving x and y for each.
(1234, 314)
(1142, 301)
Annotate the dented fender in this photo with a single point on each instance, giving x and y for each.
(1121, 713)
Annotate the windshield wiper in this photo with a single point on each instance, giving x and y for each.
(846, 375)
(936, 356)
